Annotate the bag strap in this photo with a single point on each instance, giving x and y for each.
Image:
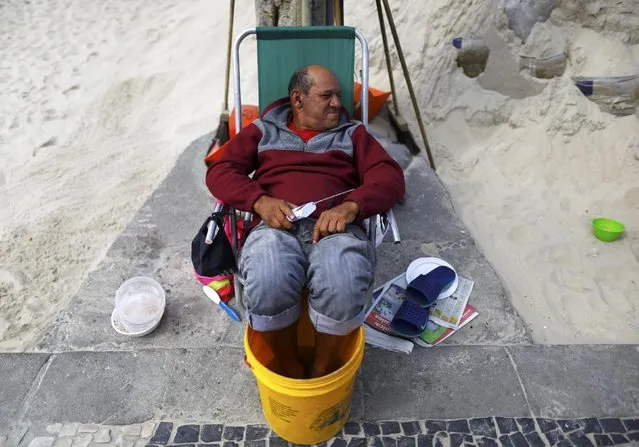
(218, 216)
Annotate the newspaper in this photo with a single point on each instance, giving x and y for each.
(388, 342)
(387, 300)
(448, 312)
(435, 333)
(446, 316)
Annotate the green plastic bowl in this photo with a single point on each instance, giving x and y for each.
(607, 230)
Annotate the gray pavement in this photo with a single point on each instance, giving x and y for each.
(190, 372)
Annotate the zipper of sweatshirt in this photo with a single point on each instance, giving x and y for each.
(280, 126)
(305, 143)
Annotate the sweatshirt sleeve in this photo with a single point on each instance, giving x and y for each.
(228, 178)
(381, 178)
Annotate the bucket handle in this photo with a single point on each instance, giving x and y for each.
(247, 362)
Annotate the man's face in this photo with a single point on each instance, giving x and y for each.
(321, 107)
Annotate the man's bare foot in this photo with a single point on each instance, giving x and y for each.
(327, 349)
(321, 369)
(292, 369)
(283, 346)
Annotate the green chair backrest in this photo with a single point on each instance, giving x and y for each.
(281, 50)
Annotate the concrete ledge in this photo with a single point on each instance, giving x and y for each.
(213, 384)
(129, 387)
(579, 379)
(20, 374)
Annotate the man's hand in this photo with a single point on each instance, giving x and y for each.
(274, 212)
(335, 220)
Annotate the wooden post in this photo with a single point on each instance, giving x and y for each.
(409, 84)
(293, 12)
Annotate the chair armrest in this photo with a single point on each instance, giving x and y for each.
(383, 221)
(397, 239)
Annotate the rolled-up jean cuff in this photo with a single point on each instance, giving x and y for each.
(326, 325)
(265, 323)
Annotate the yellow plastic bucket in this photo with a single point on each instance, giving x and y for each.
(305, 411)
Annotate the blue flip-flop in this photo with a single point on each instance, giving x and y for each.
(425, 289)
(410, 319)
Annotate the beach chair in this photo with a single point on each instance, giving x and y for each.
(280, 51)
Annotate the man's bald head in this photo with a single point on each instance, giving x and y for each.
(314, 92)
(304, 77)
(300, 80)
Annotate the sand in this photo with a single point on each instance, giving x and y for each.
(99, 99)
(530, 162)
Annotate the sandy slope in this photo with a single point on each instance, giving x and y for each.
(97, 101)
(529, 162)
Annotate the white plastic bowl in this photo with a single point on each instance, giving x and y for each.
(139, 304)
(121, 329)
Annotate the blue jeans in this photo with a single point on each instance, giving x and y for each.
(338, 270)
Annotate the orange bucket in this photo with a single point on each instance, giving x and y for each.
(249, 114)
(376, 99)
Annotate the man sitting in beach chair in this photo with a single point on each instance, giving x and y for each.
(304, 148)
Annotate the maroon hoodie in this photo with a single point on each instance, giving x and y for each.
(287, 168)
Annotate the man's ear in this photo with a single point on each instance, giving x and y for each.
(296, 99)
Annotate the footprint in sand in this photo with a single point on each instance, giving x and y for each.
(631, 321)
(10, 281)
(50, 142)
(634, 246)
(70, 90)
(632, 197)
(524, 234)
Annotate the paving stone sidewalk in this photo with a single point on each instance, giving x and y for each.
(480, 432)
